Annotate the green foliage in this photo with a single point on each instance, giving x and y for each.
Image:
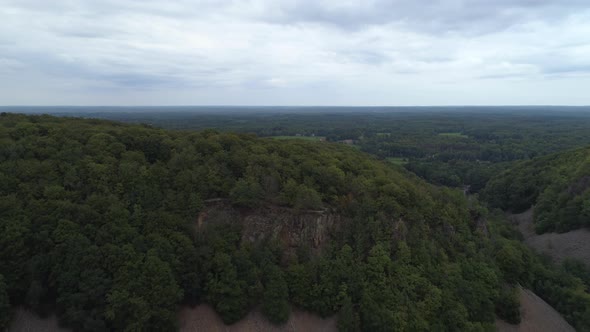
(508, 305)
(511, 262)
(144, 294)
(247, 193)
(301, 196)
(4, 305)
(307, 198)
(348, 319)
(101, 222)
(577, 269)
(446, 146)
(564, 289)
(275, 302)
(225, 291)
(557, 185)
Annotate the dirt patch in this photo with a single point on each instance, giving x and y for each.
(200, 318)
(573, 244)
(27, 321)
(204, 318)
(536, 315)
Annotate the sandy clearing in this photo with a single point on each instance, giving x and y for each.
(573, 244)
(200, 318)
(204, 318)
(536, 315)
(27, 321)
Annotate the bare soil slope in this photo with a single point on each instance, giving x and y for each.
(26, 321)
(204, 318)
(537, 316)
(200, 318)
(573, 244)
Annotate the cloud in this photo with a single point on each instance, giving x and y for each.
(295, 52)
(442, 16)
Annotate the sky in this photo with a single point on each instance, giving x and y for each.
(273, 52)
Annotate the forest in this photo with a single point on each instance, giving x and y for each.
(451, 146)
(558, 186)
(97, 224)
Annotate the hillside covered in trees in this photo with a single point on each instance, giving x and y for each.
(557, 185)
(452, 146)
(98, 224)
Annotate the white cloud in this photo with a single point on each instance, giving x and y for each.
(294, 52)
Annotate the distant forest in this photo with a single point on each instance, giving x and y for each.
(452, 146)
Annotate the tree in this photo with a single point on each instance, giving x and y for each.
(508, 305)
(348, 318)
(14, 252)
(144, 295)
(224, 291)
(510, 261)
(246, 192)
(4, 305)
(275, 302)
(307, 199)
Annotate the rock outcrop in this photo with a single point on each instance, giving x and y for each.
(292, 228)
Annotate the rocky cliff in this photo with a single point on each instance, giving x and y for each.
(292, 228)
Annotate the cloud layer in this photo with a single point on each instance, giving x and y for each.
(263, 52)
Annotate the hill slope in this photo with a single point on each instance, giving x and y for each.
(558, 185)
(559, 246)
(536, 316)
(100, 222)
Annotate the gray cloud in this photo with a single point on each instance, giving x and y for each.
(296, 52)
(442, 16)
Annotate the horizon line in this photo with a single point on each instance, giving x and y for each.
(292, 106)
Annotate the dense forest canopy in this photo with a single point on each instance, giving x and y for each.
(452, 146)
(97, 223)
(557, 185)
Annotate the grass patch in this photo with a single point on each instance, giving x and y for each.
(397, 160)
(305, 138)
(459, 135)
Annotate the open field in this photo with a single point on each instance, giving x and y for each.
(397, 160)
(453, 134)
(305, 138)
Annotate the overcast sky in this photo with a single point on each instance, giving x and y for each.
(272, 52)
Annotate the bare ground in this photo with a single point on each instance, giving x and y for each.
(204, 318)
(27, 321)
(573, 244)
(536, 315)
(200, 318)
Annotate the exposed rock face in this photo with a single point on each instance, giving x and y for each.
(481, 225)
(400, 230)
(291, 227)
